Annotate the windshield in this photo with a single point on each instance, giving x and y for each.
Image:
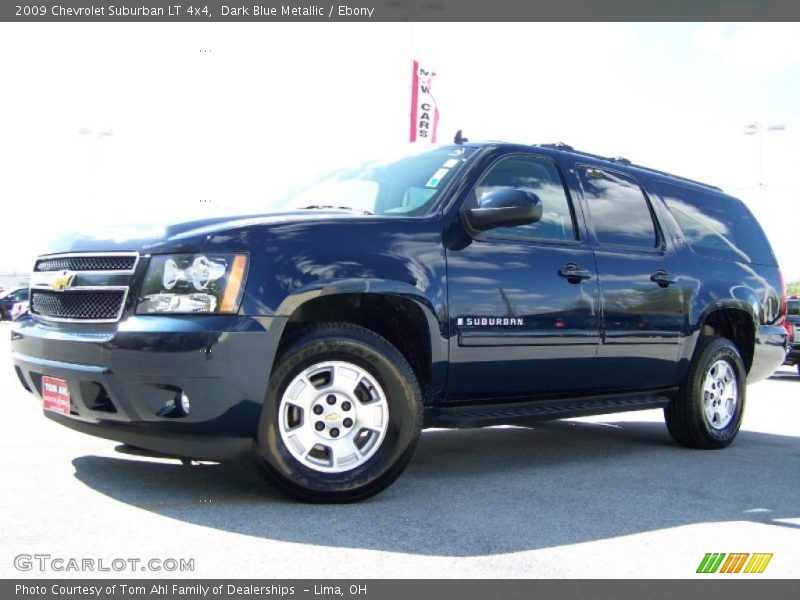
(404, 186)
(7, 293)
(793, 307)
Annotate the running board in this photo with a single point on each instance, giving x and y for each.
(484, 415)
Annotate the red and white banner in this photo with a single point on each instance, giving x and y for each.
(424, 113)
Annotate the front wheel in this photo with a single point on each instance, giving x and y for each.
(708, 411)
(342, 415)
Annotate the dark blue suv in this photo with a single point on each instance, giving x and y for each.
(463, 286)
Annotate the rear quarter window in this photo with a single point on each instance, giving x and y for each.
(716, 225)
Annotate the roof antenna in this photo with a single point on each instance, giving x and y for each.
(459, 139)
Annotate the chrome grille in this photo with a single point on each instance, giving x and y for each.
(96, 305)
(108, 262)
(82, 287)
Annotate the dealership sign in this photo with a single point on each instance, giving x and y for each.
(424, 113)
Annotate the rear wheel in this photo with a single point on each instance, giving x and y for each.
(708, 411)
(342, 416)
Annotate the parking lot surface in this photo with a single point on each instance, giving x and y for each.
(608, 496)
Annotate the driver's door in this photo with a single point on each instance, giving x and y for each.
(523, 300)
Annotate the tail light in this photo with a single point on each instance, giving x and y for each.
(789, 330)
(785, 309)
(784, 303)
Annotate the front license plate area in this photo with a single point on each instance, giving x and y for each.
(55, 395)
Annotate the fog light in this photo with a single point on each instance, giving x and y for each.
(186, 406)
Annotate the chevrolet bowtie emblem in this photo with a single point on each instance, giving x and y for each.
(332, 416)
(62, 281)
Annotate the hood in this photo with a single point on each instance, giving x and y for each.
(187, 236)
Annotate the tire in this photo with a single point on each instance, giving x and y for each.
(338, 369)
(688, 421)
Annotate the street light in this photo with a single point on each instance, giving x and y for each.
(96, 136)
(756, 128)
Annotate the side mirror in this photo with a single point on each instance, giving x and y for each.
(506, 207)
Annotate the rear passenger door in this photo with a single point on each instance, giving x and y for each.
(641, 300)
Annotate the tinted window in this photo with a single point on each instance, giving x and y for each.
(793, 307)
(716, 225)
(542, 177)
(619, 210)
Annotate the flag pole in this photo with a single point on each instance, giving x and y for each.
(413, 86)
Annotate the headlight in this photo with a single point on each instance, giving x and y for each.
(193, 283)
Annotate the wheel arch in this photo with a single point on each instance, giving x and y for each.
(393, 310)
(735, 321)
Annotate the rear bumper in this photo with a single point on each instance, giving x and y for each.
(769, 352)
(793, 355)
(125, 382)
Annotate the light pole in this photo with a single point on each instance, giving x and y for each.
(96, 136)
(756, 128)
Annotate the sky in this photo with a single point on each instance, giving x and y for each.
(117, 123)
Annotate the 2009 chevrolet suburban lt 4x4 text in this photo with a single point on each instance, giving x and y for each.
(464, 286)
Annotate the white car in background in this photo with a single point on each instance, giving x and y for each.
(19, 309)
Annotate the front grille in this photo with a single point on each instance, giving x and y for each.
(88, 305)
(86, 263)
(82, 287)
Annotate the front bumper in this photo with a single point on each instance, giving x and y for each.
(124, 379)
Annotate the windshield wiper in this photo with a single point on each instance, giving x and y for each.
(329, 206)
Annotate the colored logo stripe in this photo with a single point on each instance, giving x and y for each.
(734, 563)
(711, 562)
(758, 563)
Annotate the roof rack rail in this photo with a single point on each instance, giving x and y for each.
(624, 161)
(558, 146)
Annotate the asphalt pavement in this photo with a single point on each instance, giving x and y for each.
(608, 496)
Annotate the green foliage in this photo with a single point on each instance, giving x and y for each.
(793, 288)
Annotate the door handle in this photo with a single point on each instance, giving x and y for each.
(573, 273)
(662, 278)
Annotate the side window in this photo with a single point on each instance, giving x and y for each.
(716, 225)
(619, 210)
(542, 177)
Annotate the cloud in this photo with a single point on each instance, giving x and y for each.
(759, 49)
